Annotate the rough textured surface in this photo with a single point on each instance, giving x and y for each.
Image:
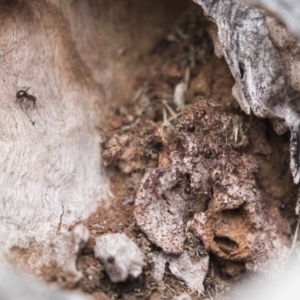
(288, 11)
(288, 47)
(241, 36)
(155, 108)
(125, 149)
(120, 27)
(119, 256)
(51, 169)
(52, 176)
(207, 178)
(68, 247)
(191, 270)
(13, 286)
(159, 210)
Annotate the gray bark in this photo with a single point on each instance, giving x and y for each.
(262, 82)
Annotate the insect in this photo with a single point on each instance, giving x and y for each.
(208, 154)
(23, 94)
(282, 207)
(191, 127)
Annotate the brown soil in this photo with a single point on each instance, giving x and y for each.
(186, 46)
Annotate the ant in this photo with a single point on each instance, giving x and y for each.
(23, 94)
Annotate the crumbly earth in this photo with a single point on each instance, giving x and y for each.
(141, 139)
(208, 179)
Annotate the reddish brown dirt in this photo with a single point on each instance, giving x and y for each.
(186, 45)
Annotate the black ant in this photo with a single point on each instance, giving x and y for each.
(188, 193)
(23, 94)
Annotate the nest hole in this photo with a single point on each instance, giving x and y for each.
(226, 244)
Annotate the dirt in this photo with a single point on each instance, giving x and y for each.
(136, 144)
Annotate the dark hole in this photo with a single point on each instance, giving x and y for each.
(208, 154)
(242, 70)
(229, 213)
(188, 177)
(158, 116)
(206, 204)
(110, 259)
(156, 148)
(117, 111)
(226, 244)
(187, 190)
(129, 285)
(176, 186)
(282, 207)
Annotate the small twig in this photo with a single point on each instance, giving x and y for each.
(295, 237)
(175, 117)
(216, 290)
(181, 34)
(165, 117)
(170, 110)
(225, 126)
(283, 156)
(138, 93)
(174, 292)
(209, 295)
(236, 132)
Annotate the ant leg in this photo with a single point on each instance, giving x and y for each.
(32, 99)
(21, 102)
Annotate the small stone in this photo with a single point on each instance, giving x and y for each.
(119, 255)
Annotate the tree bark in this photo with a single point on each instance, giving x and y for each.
(77, 59)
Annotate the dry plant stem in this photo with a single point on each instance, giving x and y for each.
(294, 243)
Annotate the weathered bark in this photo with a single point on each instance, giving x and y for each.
(287, 11)
(262, 83)
(51, 173)
(77, 58)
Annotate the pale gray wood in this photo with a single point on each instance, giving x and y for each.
(261, 80)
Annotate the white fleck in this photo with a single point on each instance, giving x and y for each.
(183, 297)
(179, 92)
